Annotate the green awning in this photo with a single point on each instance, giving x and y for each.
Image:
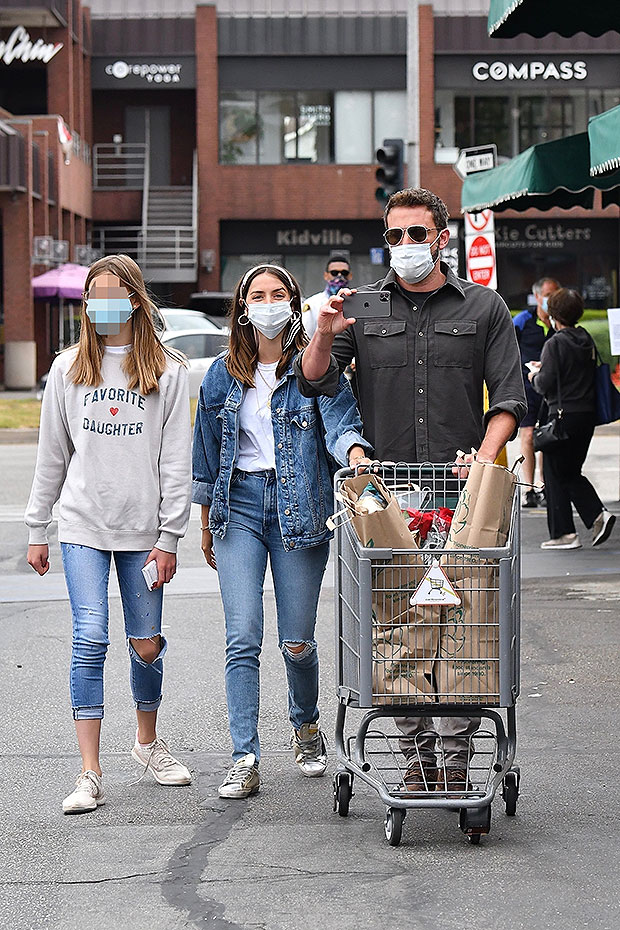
(509, 18)
(604, 135)
(546, 176)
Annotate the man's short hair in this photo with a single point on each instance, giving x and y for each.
(538, 285)
(338, 257)
(419, 197)
(566, 306)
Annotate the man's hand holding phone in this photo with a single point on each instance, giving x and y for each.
(331, 319)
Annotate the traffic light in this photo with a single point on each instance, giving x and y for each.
(390, 173)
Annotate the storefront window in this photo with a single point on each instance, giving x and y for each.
(318, 127)
(480, 120)
(239, 128)
(542, 119)
(513, 122)
(353, 127)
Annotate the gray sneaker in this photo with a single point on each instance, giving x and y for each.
(310, 750)
(242, 779)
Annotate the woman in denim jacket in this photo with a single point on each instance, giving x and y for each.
(262, 474)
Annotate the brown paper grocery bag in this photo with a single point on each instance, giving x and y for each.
(467, 666)
(482, 515)
(385, 529)
(405, 638)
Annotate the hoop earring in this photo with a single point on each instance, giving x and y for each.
(241, 321)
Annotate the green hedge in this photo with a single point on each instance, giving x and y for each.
(595, 321)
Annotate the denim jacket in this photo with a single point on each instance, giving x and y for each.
(305, 429)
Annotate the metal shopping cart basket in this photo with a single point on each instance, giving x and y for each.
(399, 661)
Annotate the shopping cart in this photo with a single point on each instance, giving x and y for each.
(399, 660)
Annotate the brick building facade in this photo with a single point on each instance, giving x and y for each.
(231, 132)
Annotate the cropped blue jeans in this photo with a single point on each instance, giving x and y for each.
(253, 534)
(87, 572)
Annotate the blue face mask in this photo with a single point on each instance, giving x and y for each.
(544, 303)
(334, 285)
(108, 314)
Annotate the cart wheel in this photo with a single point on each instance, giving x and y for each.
(510, 792)
(343, 791)
(475, 822)
(394, 817)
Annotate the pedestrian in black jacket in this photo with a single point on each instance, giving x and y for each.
(570, 354)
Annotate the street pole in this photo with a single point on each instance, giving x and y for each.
(413, 93)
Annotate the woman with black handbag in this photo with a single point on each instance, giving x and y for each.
(565, 378)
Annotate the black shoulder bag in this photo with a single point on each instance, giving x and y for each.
(549, 434)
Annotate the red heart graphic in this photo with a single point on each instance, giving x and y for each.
(113, 411)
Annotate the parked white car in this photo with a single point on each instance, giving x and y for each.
(177, 318)
(201, 348)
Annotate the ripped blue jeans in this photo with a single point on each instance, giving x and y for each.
(87, 572)
(253, 534)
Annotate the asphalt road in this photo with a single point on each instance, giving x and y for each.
(162, 859)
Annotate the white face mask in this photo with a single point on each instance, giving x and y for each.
(269, 319)
(413, 262)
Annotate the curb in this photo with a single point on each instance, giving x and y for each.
(19, 436)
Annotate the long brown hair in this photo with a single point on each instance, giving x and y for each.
(243, 344)
(146, 360)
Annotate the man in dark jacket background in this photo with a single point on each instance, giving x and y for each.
(532, 329)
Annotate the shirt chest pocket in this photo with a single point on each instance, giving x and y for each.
(386, 343)
(455, 342)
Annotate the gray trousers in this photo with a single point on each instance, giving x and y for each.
(453, 731)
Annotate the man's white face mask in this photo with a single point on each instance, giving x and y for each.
(413, 261)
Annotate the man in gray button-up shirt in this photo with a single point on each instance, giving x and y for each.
(420, 376)
(420, 372)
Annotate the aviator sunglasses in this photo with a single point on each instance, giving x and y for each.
(395, 234)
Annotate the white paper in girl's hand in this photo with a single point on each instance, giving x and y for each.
(150, 574)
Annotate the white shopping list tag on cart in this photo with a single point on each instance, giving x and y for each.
(435, 588)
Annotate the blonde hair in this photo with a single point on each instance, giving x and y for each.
(146, 361)
(243, 345)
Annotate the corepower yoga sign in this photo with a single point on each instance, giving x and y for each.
(20, 47)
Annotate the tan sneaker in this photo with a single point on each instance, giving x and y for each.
(569, 541)
(87, 796)
(602, 527)
(157, 758)
(242, 779)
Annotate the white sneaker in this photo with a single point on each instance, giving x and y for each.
(165, 769)
(242, 779)
(87, 796)
(310, 750)
(569, 541)
(602, 527)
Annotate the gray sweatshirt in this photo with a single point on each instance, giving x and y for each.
(120, 462)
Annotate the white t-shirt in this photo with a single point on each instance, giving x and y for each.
(256, 451)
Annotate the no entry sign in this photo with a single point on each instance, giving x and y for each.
(481, 261)
(480, 248)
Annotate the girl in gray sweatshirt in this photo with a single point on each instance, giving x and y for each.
(114, 450)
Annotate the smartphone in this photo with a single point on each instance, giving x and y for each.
(150, 574)
(365, 304)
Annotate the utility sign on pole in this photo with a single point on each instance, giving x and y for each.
(480, 248)
(479, 158)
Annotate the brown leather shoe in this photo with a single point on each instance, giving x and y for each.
(419, 779)
(452, 781)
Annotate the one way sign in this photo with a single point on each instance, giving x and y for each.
(480, 158)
